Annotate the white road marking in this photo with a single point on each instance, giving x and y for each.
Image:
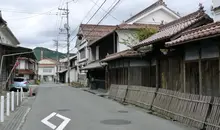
(52, 126)
(46, 122)
(64, 123)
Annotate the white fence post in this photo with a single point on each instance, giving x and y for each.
(12, 101)
(21, 94)
(8, 104)
(2, 109)
(17, 98)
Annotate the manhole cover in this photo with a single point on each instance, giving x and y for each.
(116, 122)
(63, 110)
(122, 111)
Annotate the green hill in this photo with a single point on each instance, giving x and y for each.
(47, 53)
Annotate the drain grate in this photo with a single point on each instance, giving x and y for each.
(116, 122)
(122, 111)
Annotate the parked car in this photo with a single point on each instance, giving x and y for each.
(18, 83)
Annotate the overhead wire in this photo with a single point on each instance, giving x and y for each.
(104, 11)
(105, 16)
(107, 13)
(89, 19)
(34, 15)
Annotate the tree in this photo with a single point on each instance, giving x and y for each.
(145, 33)
(139, 35)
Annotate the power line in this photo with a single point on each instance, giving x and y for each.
(90, 18)
(24, 12)
(107, 13)
(34, 15)
(105, 16)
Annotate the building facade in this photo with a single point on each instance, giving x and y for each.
(216, 9)
(26, 68)
(63, 70)
(47, 70)
(156, 13)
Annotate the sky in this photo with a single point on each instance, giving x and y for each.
(36, 23)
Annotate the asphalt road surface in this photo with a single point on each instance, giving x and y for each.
(64, 108)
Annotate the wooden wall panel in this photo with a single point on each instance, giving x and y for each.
(192, 78)
(210, 83)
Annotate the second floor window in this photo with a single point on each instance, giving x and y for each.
(47, 70)
(82, 53)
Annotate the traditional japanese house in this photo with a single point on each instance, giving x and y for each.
(150, 63)
(199, 51)
(112, 42)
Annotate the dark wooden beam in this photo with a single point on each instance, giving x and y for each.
(157, 73)
(184, 75)
(200, 73)
(114, 43)
(219, 69)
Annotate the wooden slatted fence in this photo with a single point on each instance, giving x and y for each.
(120, 96)
(213, 120)
(113, 91)
(140, 96)
(189, 109)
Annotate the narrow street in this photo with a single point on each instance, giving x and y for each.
(89, 112)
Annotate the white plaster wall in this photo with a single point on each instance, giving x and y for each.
(40, 71)
(217, 15)
(216, 3)
(73, 76)
(122, 36)
(21, 64)
(5, 40)
(47, 61)
(156, 17)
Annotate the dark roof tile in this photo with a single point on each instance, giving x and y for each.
(93, 32)
(126, 53)
(211, 29)
(175, 27)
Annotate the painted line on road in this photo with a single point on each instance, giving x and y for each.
(46, 122)
(64, 123)
(52, 126)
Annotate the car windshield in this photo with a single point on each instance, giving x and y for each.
(18, 79)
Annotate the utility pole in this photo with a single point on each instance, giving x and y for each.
(57, 56)
(68, 39)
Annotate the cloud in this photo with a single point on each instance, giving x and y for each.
(39, 30)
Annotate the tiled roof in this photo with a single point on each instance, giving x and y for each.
(126, 53)
(94, 65)
(148, 9)
(208, 30)
(93, 32)
(126, 27)
(175, 27)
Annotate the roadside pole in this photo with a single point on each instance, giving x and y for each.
(12, 101)
(67, 27)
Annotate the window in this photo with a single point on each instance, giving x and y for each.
(82, 53)
(97, 53)
(18, 79)
(47, 70)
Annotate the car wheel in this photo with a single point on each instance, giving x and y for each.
(25, 90)
(13, 89)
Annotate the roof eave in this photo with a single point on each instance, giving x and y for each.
(92, 43)
(192, 40)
